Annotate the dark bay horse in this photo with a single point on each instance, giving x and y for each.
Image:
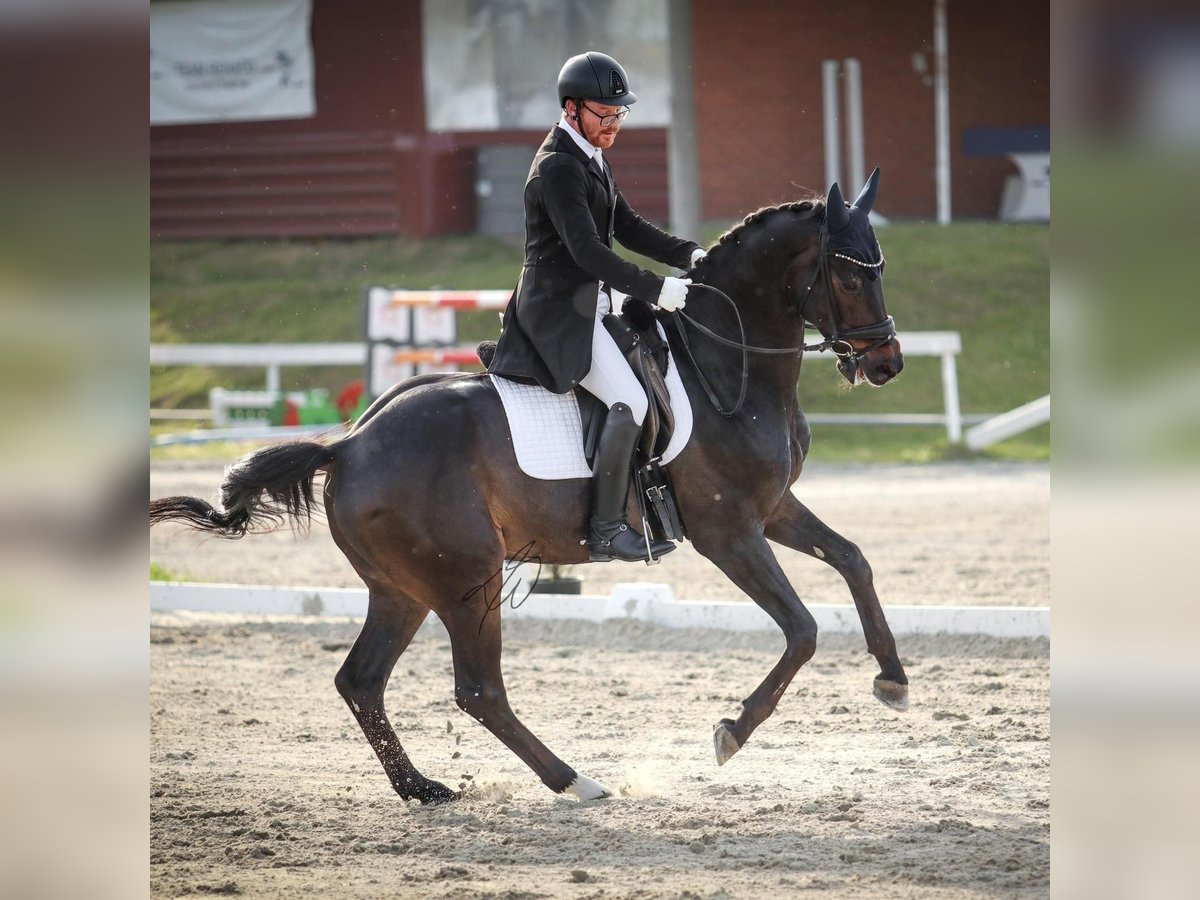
(425, 497)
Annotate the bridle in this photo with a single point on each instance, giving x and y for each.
(879, 332)
(839, 341)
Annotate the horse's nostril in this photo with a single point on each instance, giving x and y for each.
(889, 369)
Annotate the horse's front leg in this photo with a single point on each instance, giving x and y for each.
(751, 565)
(794, 525)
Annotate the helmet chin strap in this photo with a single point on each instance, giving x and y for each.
(579, 122)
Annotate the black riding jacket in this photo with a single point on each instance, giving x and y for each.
(572, 213)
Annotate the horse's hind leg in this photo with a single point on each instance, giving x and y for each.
(392, 620)
(795, 526)
(474, 629)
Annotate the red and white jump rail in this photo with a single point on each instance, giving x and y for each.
(452, 299)
(438, 356)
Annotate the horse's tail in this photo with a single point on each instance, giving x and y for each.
(283, 473)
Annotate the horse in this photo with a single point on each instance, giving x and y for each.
(425, 498)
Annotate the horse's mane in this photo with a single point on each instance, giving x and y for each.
(813, 206)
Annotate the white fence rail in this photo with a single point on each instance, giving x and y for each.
(1005, 425)
(272, 357)
(943, 344)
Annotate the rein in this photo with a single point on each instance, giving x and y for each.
(683, 341)
(881, 331)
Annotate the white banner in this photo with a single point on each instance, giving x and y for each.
(494, 65)
(230, 60)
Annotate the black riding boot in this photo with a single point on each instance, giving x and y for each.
(609, 535)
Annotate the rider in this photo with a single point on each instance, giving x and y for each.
(552, 332)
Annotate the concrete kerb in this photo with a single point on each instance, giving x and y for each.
(651, 603)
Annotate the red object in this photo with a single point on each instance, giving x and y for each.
(347, 400)
(291, 413)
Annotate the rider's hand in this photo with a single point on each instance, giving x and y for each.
(698, 255)
(673, 292)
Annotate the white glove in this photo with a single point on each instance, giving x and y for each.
(673, 292)
(698, 255)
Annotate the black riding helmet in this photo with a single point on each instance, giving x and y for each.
(594, 76)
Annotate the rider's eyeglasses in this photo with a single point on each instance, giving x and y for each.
(606, 120)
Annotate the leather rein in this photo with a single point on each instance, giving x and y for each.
(879, 332)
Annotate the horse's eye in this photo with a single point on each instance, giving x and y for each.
(852, 284)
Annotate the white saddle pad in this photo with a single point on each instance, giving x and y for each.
(547, 432)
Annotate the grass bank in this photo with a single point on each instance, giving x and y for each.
(986, 280)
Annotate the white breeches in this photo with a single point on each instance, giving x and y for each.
(610, 377)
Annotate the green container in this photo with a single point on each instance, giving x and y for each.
(318, 410)
(278, 408)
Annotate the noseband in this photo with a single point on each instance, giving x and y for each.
(880, 332)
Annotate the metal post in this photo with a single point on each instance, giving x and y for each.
(683, 167)
(856, 170)
(833, 144)
(950, 396)
(941, 93)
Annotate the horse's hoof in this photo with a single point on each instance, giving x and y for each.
(891, 694)
(724, 742)
(434, 793)
(586, 789)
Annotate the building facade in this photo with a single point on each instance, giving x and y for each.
(368, 163)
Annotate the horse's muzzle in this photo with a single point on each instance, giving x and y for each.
(876, 367)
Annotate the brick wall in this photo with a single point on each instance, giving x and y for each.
(365, 164)
(1000, 77)
(759, 104)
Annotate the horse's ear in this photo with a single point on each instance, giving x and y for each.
(837, 216)
(867, 196)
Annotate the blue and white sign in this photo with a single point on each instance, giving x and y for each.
(230, 60)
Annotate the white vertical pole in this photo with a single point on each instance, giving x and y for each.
(856, 170)
(833, 144)
(683, 165)
(950, 396)
(941, 93)
(273, 378)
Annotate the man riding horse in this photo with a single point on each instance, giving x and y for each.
(419, 547)
(552, 332)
